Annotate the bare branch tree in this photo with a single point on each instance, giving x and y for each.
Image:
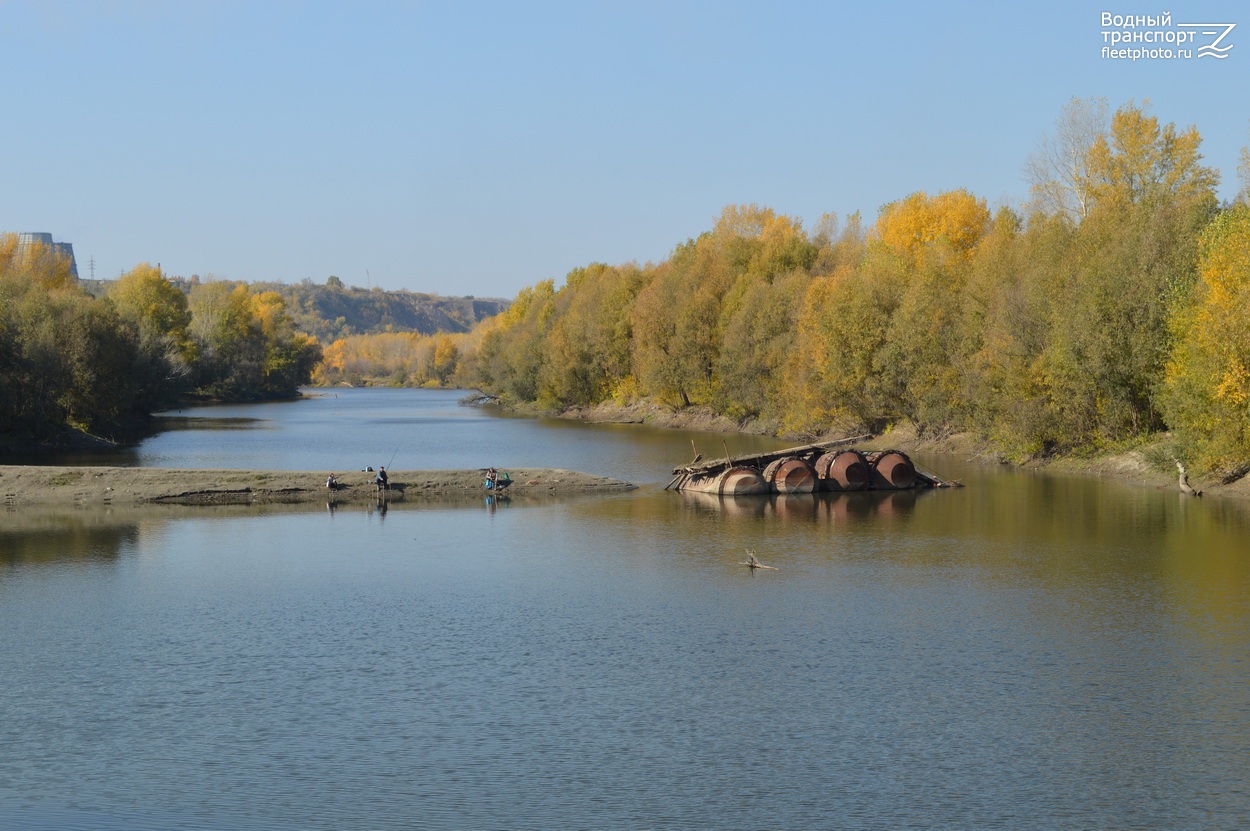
(1057, 170)
(1243, 173)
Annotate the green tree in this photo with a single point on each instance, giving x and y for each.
(683, 315)
(1207, 393)
(1133, 264)
(834, 373)
(247, 346)
(1008, 317)
(757, 340)
(587, 350)
(511, 351)
(153, 303)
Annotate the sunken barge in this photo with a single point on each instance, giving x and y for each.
(825, 466)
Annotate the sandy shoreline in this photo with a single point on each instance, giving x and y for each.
(34, 485)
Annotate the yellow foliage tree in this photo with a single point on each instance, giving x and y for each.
(834, 373)
(33, 266)
(1140, 160)
(1208, 377)
(954, 216)
(159, 309)
(446, 354)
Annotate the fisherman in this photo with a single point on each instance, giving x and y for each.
(332, 482)
(492, 476)
(381, 481)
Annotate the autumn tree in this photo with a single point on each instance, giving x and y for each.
(510, 354)
(32, 266)
(1207, 394)
(839, 244)
(923, 247)
(153, 303)
(834, 373)
(1010, 302)
(158, 312)
(954, 217)
(1059, 170)
(248, 348)
(1243, 175)
(770, 260)
(66, 358)
(1138, 161)
(683, 314)
(587, 350)
(1132, 266)
(676, 323)
(758, 338)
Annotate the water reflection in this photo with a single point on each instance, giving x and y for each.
(1029, 651)
(838, 509)
(496, 501)
(45, 537)
(205, 422)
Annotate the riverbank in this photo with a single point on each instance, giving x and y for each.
(35, 485)
(1148, 465)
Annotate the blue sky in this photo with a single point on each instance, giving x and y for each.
(475, 148)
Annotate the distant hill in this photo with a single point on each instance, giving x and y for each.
(333, 310)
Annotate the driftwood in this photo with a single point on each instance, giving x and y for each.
(761, 460)
(1183, 480)
(753, 562)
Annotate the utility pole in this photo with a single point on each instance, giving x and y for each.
(91, 265)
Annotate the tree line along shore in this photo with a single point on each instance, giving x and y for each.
(1110, 312)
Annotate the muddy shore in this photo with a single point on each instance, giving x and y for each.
(1136, 467)
(33, 485)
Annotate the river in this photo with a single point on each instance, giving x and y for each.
(1030, 651)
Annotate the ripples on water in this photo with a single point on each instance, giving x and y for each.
(1024, 653)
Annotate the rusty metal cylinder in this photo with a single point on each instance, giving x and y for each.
(892, 470)
(844, 470)
(790, 475)
(739, 481)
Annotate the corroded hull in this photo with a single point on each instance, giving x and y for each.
(827, 466)
(845, 470)
(734, 481)
(742, 481)
(790, 475)
(892, 470)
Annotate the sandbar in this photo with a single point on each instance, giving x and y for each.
(37, 484)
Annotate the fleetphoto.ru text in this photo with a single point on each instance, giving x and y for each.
(1137, 37)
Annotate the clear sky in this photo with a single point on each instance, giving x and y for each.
(475, 148)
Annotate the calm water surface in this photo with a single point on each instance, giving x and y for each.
(351, 429)
(1027, 652)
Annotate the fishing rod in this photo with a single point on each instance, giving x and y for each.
(388, 464)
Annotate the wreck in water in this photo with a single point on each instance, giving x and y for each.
(825, 466)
